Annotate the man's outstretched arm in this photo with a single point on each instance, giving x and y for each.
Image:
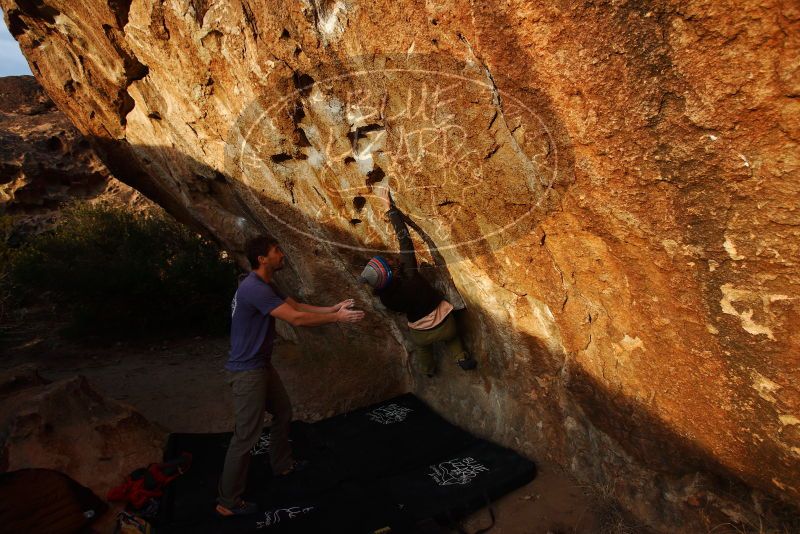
(286, 312)
(300, 306)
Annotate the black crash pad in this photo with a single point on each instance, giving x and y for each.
(394, 465)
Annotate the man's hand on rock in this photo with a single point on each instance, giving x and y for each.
(348, 315)
(349, 303)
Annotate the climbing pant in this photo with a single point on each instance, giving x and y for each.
(253, 392)
(423, 340)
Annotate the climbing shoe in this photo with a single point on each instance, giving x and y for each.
(467, 364)
(242, 508)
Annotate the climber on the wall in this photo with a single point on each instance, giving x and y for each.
(256, 385)
(401, 288)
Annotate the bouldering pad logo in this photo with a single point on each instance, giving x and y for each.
(467, 162)
(389, 414)
(262, 445)
(273, 517)
(456, 472)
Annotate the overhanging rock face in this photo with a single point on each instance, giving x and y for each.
(612, 187)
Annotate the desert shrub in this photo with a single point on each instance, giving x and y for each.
(5, 256)
(114, 274)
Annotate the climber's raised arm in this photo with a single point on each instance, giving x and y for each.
(407, 256)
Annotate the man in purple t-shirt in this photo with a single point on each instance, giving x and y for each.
(256, 385)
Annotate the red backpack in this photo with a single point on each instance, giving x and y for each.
(147, 483)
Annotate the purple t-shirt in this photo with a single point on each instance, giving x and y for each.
(252, 326)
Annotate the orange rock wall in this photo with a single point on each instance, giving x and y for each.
(611, 186)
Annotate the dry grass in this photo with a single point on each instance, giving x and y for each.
(614, 519)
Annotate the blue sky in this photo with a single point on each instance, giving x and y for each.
(11, 60)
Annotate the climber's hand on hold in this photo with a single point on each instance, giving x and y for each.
(385, 196)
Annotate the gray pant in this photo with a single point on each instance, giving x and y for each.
(253, 392)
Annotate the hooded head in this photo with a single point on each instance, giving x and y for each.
(377, 273)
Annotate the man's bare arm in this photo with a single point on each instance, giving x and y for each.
(286, 312)
(300, 306)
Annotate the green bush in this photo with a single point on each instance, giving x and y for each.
(117, 275)
(5, 258)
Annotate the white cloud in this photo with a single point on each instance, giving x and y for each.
(11, 60)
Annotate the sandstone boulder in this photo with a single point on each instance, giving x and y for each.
(68, 426)
(611, 186)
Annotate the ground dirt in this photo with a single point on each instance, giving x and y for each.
(180, 385)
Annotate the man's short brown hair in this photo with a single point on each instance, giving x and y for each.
(259, 246)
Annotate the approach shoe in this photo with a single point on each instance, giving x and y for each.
(242, 508)
(467, 364)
